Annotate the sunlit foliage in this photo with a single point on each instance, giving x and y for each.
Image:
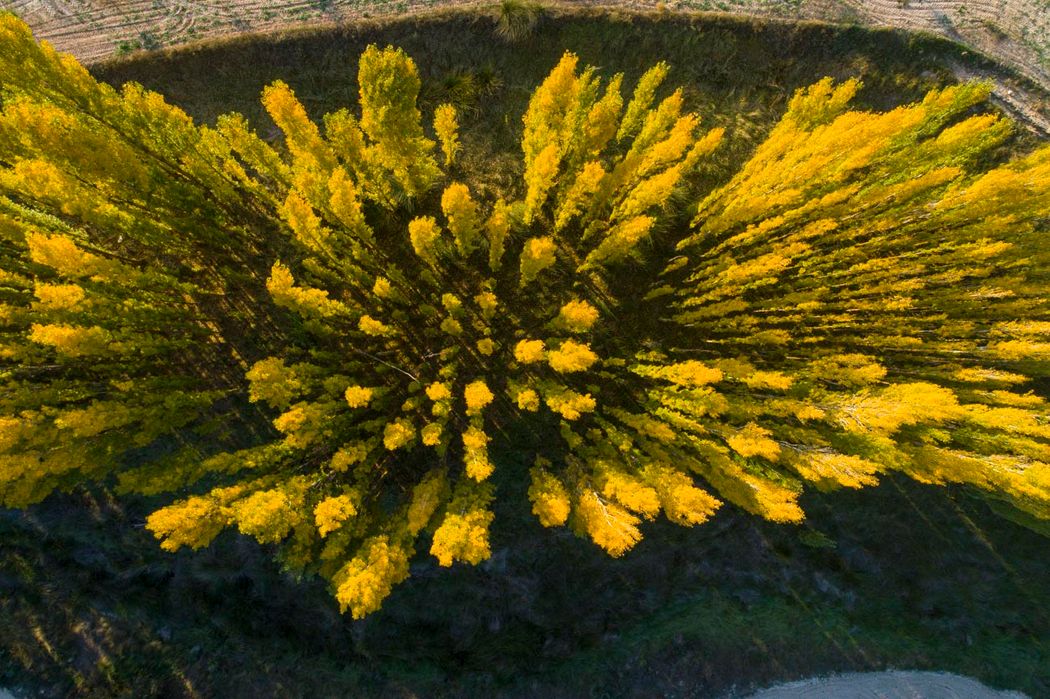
(326, 343)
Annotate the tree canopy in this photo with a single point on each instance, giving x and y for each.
(866, 295)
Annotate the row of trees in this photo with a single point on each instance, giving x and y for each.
(867, 294)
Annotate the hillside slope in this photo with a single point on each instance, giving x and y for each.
(1016, 32)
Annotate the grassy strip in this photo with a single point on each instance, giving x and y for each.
(774, 640)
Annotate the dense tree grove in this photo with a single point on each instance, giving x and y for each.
(867, 294)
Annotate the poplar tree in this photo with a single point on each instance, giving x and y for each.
(124, 226)
(866, 295)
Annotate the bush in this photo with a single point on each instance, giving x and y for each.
(516, 19)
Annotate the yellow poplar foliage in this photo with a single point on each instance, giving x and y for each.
(425, 235)
(571, 356)
(475, 454)
(367, 579)
(431, 434)
(568, 403)
(427, 497)
(95, 418)
(528, 399)
(271, 381)
(462, 214)
(303, 300)
(865, 295)
(398, 434)
(399, 152)
(497, 228)
(65, 257)
(438, 391)
(346, 204)
(681, 500)
(71, 340)
(372, 326)
(828, 469)
(577, 316)
(267, 515)
(550, 499)
(578, 196)
(330, 513)
(446, 126)
(193, 522)
(358, 396)
(607, 524)
(754, 441)
(530, 351)
(476, 395)
(537, 256)
(463, 536)
(59, 297)
(644, 93)
(629, 491)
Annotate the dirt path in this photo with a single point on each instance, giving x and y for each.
(94, 30)
(1015, 32)
(1017, 101)
(887, 685)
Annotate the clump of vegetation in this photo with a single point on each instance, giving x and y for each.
(864, 296)
(464, 89)
(516, 19)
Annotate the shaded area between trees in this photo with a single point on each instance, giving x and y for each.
(92, 608)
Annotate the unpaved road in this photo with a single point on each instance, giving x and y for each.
(1015, 32)
(886, 685)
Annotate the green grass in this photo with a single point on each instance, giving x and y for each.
(900, 575)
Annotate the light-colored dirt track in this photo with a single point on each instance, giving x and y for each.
(1016, 32)
(886, 685)
(94, 30)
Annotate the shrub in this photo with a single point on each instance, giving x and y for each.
(517, 19)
